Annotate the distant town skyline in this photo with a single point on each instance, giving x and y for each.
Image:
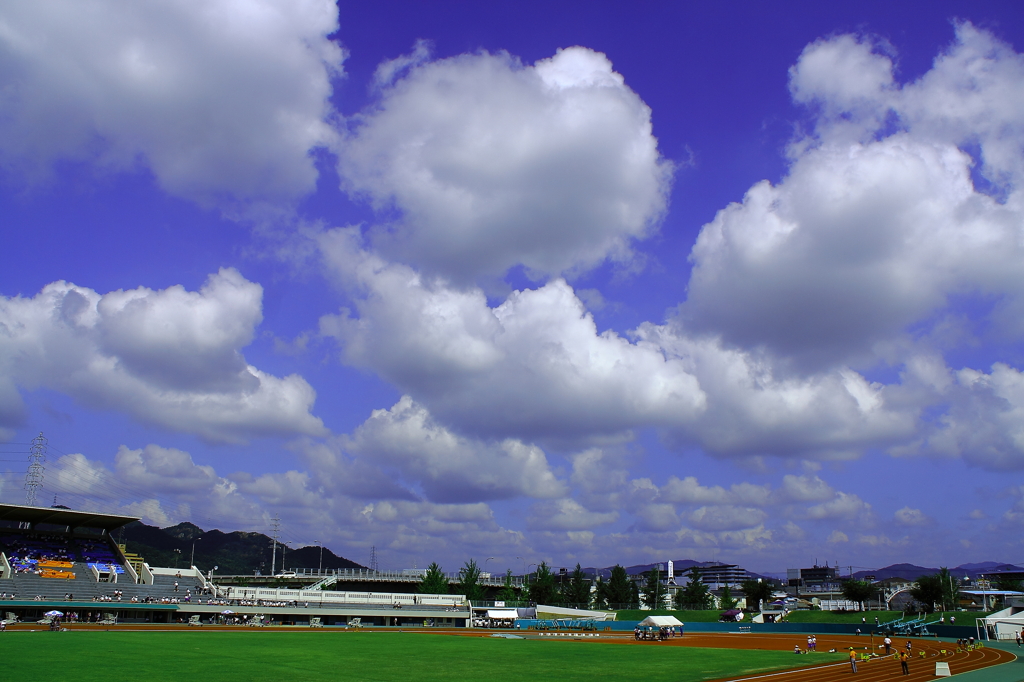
(522, 282)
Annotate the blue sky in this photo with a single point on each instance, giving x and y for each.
(574, 282)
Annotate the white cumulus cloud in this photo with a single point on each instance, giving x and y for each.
(491, 164)
(449, 467)
(170, 357)
(223, 98)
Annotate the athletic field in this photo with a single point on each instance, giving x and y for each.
(247, 655)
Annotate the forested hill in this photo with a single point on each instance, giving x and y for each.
(235, 553)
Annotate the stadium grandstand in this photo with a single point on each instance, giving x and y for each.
(60, 559)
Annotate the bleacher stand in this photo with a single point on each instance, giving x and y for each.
(44, 564)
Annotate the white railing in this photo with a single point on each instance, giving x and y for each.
(838, 605)
(131, 572)
(5, 567)
(147, 574)
(384, 598)
(202, 578)
(391, 576)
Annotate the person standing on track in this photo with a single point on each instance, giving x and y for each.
(888, 645)
(853, 660)
(904, 662)
(1018, 639)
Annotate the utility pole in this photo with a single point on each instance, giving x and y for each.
(373, 558)
(34, 476)
(275, 525)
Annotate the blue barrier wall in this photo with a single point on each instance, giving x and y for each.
(949, 631)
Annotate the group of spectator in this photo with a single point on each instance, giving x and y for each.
(26, 548)
(651, 633)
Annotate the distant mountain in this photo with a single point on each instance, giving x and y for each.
(678, 565)
(984, 567)
(912, 572)
(904, 571)
(235, 553)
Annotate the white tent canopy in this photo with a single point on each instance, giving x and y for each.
(661, 621)
(502, 614)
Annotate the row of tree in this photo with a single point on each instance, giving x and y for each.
(620, 592)
(542, 588)
(576, 590)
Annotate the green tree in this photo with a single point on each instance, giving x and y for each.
(618, 593)
(469, 581)
(695, 596)
(508, 593)
(653, 593)
(542, 589)
(634, 595)
(577, 592)
(756, 592)
(434, 581)
(600, 593)
(858, 590)
(950, 590)
(726, 601)
(928, 590)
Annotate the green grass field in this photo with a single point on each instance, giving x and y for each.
(684, 616)
(962, 617)
(312, 656)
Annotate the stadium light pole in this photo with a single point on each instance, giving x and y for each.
(192, 561)
(320, 568)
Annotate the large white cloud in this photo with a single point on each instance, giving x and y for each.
(894, 237)
(536, 368)
(221, 98)
(492, 164)
(170, 357)
(532, 367)
(451, 468)
(857, 243)
(875, 229)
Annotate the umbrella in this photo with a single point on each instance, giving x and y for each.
(54, 613)
(227, 612)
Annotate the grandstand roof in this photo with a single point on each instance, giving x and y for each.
(63, 517)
